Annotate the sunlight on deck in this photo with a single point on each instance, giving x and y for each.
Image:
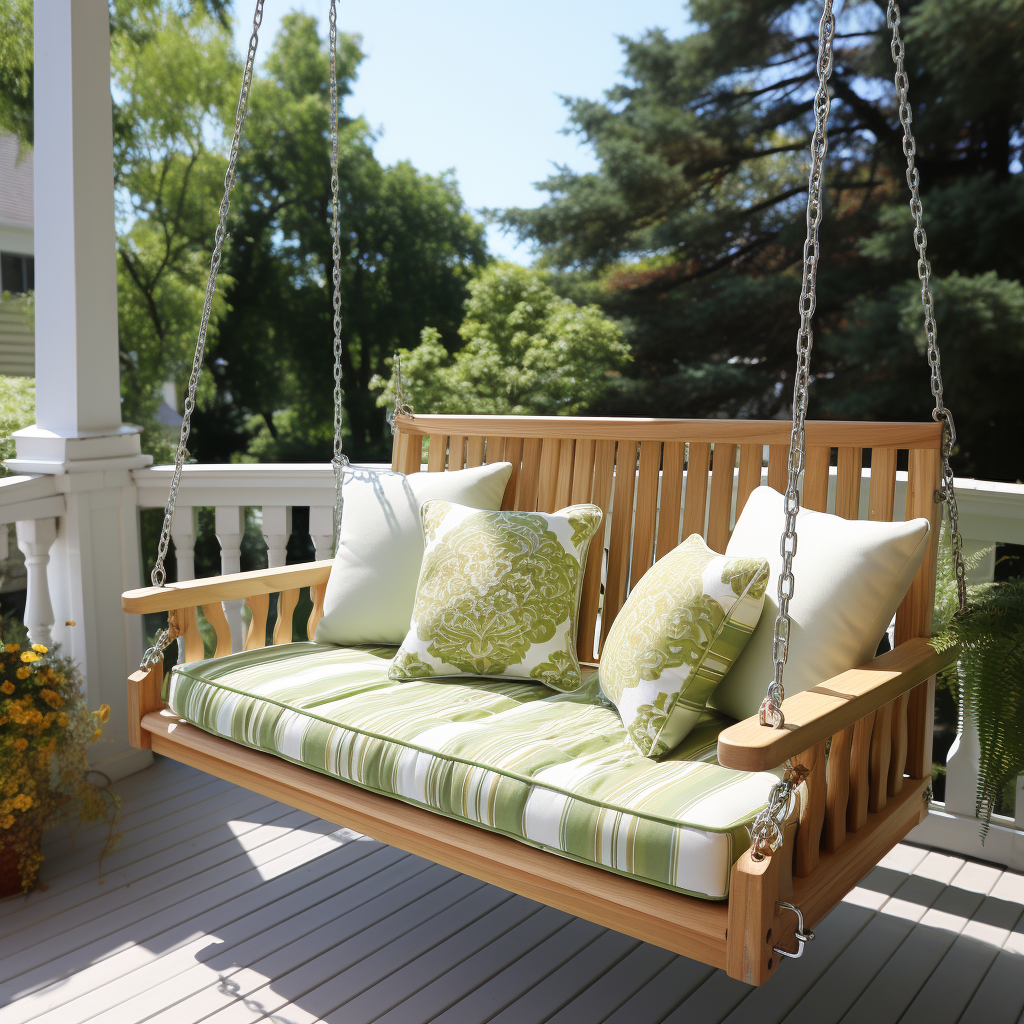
(220, 905)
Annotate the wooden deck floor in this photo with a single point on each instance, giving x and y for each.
(226, 907)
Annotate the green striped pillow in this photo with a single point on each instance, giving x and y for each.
(676, 636)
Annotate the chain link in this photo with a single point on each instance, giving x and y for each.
(771, 708)
(402, 406)
(159, 574)
(766, 833)
(924, 272)
(339, 460)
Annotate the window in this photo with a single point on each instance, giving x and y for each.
(17, 273)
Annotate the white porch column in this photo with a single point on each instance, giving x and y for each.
(78, 436)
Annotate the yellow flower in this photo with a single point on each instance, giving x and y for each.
(62, 720)
(7, 687)
(103, 712)
(13, 648)
(96, 735)
(22, 802)
(40, 649)
(28, 657)
(20, 743)
(24, 672)
(54, 699)
(7, 821)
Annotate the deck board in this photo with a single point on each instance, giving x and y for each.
(226, 907)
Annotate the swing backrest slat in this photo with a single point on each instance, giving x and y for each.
(658, 481)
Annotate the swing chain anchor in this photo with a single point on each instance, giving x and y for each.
(802, 937)
(402, 406)
(766, 833)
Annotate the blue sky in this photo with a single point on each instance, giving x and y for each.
(474, 85)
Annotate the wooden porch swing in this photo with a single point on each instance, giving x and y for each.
(859, 744)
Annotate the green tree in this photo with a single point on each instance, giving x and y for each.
(409, 249)
(527, 351)
(692, 227)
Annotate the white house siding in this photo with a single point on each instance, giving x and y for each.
(17, 342)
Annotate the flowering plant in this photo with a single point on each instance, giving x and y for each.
(45, 730)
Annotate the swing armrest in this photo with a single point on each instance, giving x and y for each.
(830, 707)
(234, 587)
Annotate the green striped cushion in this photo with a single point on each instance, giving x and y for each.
(556, 770)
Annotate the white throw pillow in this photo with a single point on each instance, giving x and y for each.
(372, 585)
(850, 577)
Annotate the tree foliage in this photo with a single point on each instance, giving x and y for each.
(692, 227)
(528, 351)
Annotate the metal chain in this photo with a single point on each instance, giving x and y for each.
(766, 833)
(924, 273)
(771, 708)
(339, 460)
(159, 574)
(402, 406)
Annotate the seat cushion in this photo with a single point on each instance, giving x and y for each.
(556, 770)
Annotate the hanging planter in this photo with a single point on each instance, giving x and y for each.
(45, 731)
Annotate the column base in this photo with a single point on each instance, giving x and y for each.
(124, 763)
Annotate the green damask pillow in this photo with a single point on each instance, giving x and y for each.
(498, 594)
(676, 636)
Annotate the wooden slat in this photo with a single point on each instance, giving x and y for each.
(621, 528)
(816, 463)
(754, 923)
(286, 602)
(143, 696)
(860, 768)
(495, 449)
(751, 459)
(512, 451)
(825, 709)
(670, 505)
(218, 620)
(590, 602)
(692, 927)
(563, 488)
(456, 452)
(184, 622)
(316, 595)
(582, 473)
(698, 459)
(475, 452)
(832, 433)
(778, 465)
(547, 484)
(882, 491)
(234, 587)
(812, 816)
(837, 792)
(898, 761)
(399, 446)
(259, 607)
(437, 453)
(529, 477)
(838, 872)
(646, 514)
(411, 454)
(848, 476)
(881, 754)
(723, 471)
(914, 617)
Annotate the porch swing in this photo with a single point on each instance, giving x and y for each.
(852, 755)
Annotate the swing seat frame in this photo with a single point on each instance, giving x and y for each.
(864, 735)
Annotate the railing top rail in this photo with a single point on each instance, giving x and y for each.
(835, 433)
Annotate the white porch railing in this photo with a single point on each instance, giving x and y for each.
(990, 513)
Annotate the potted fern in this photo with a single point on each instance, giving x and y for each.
(988, 676)
(45, 731)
